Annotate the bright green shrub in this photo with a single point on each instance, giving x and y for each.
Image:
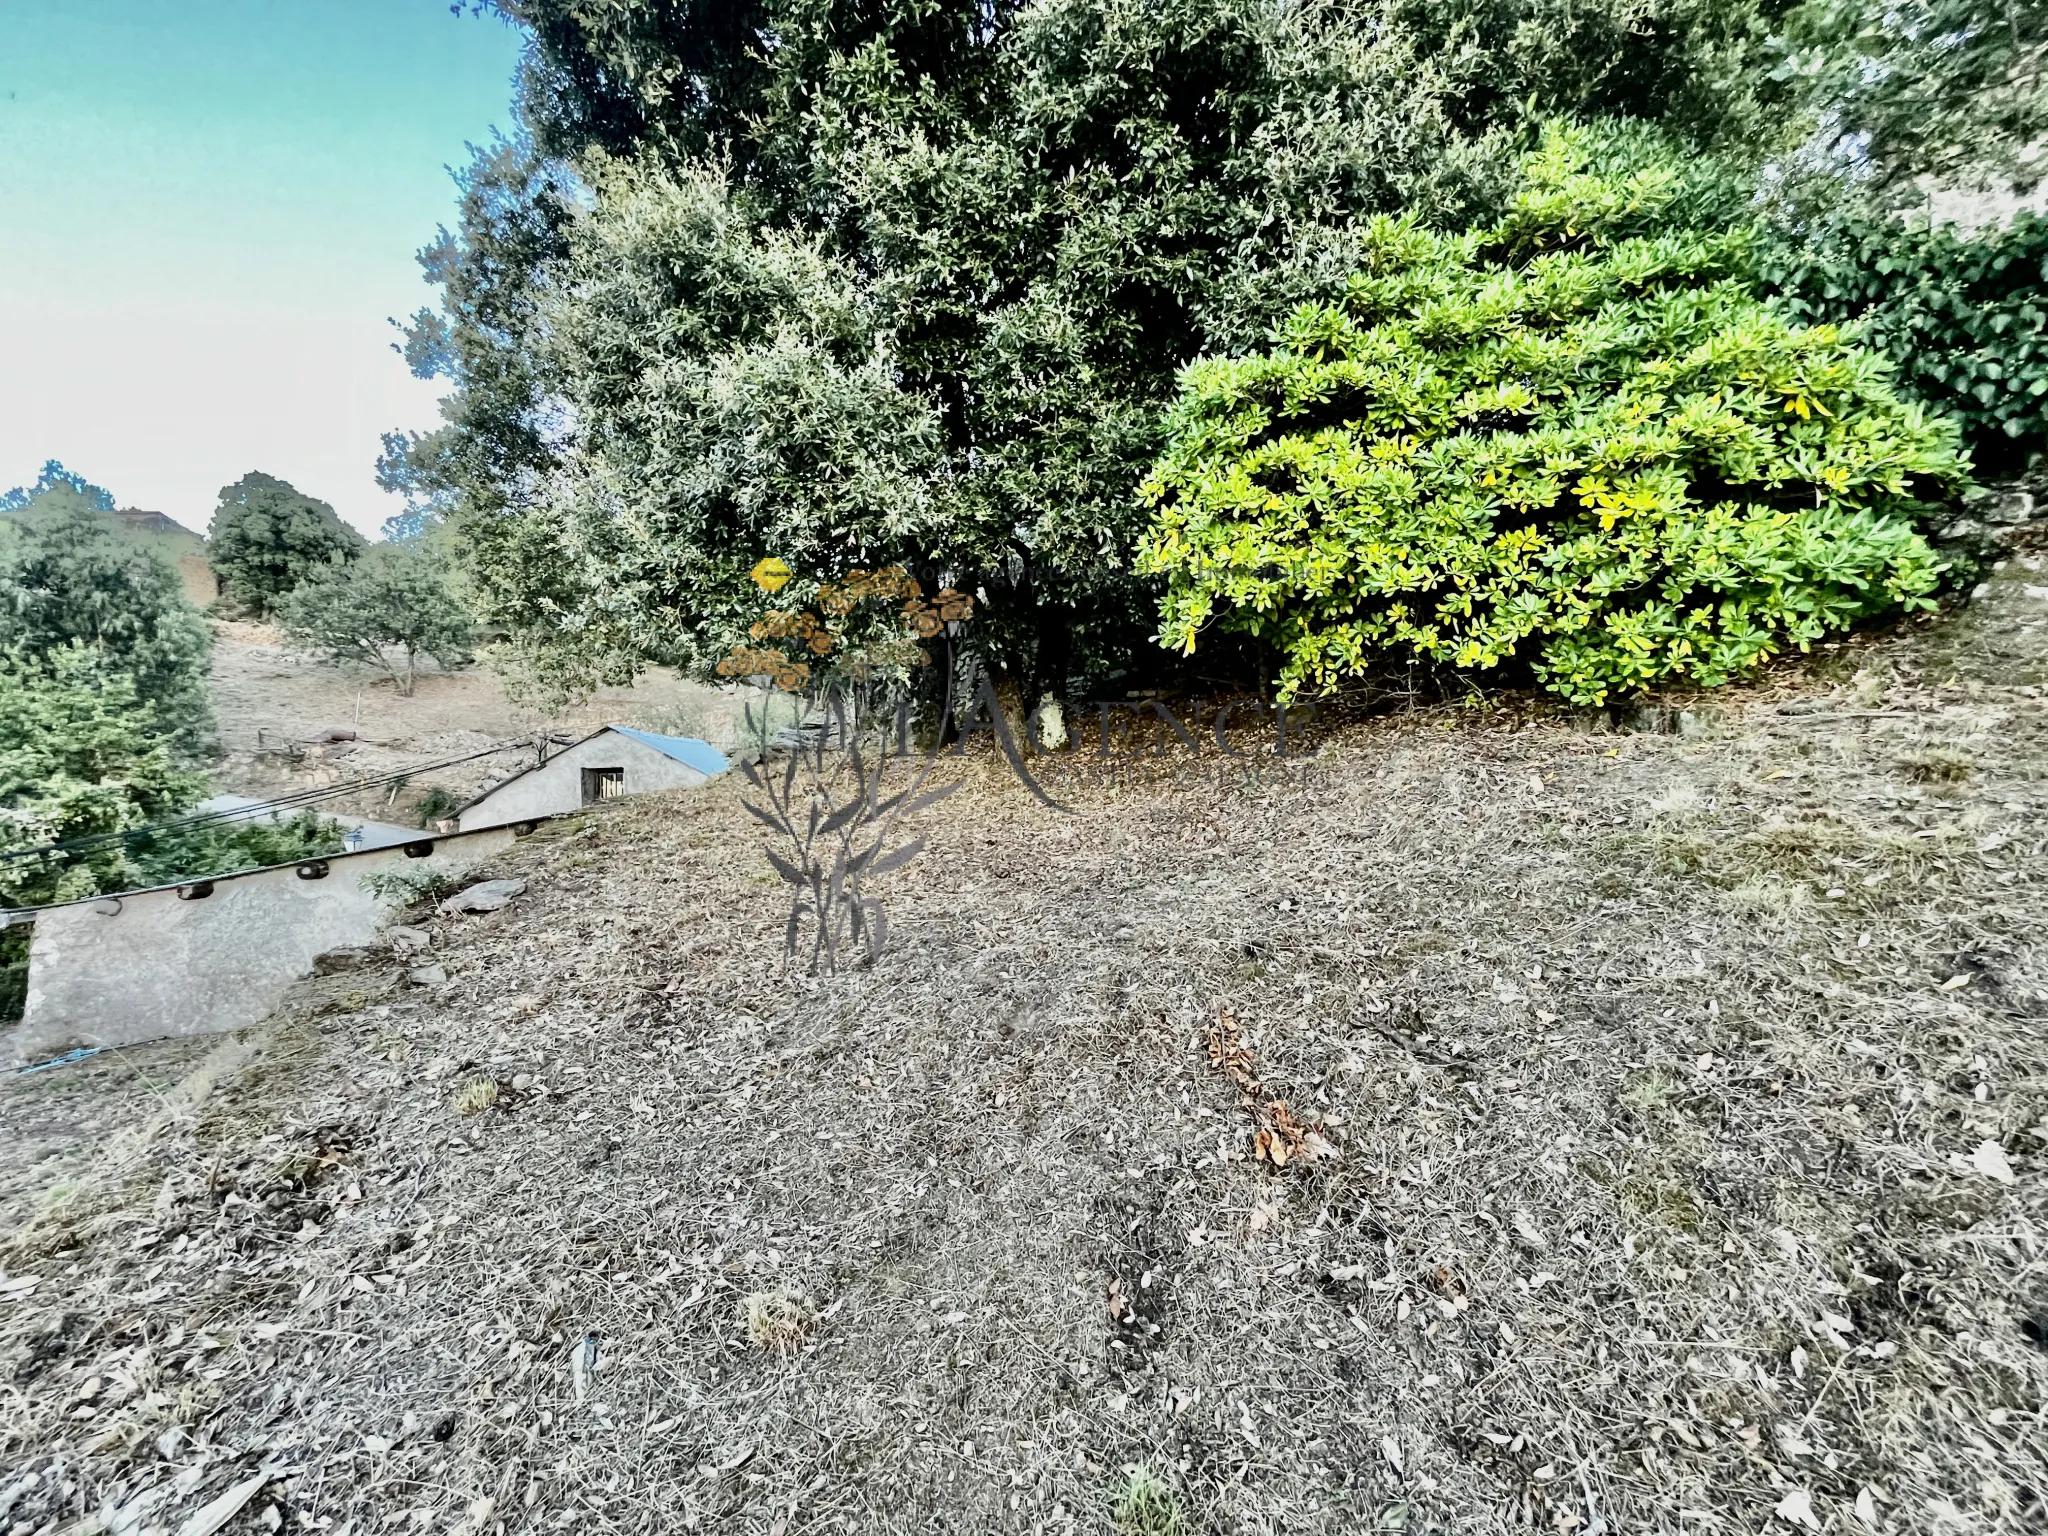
(1962, 316)
(1563, 443)
(79, 762)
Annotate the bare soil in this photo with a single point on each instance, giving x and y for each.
(1684, 1093)
(278, 712)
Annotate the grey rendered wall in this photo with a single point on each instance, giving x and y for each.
(160, 966)
(557, 786)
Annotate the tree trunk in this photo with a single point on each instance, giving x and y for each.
(1051, 657)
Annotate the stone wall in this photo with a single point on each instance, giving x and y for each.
(124, 969)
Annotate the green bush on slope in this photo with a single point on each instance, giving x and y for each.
(1577, 441)
(1962, 315)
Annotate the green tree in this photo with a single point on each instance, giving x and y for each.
(54, 475)
(1899, 89)
(1961, 316)
(79, 761)
(1576, 442)
(386, 611)
(68, 577)
(912, 284)
(266, 537)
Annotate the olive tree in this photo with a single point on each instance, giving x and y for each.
(385, 611)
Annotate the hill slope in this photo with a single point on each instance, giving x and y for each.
(1686, 1095)
(278, 712)
(184, 550)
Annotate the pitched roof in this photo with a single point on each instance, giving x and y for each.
(687, 750)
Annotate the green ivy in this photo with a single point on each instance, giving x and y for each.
(1563, 443)
(1961, 316)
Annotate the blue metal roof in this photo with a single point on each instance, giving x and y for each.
(687, 750)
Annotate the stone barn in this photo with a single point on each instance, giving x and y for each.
(616, 760)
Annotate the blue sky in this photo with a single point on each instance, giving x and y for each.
(208, 211)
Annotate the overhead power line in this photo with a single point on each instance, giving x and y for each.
(302, 799)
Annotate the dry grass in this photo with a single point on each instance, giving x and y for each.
(474, 1097)
(1146, 1507)
(1658, 1072)
(264, 693)
(778, 1319)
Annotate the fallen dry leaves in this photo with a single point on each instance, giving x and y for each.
(1278, 1136)
(1120, 1308)
(1285, 1139)
(1229, 1054)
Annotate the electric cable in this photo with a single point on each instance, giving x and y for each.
(94, 841)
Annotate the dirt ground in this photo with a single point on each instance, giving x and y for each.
(277, 710)
(1685, 1099)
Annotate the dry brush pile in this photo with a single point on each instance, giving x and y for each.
(1496, 1125)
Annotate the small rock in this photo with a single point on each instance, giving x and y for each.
(427, 975)
(335, 961)
(485, 896)
(2012, 507)
(407, 940)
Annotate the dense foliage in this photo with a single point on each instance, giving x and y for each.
(1577, 441)
(908, 281)
(1960, 315)
(103, 716)
(68, 576)
(78, 760)
(384, 611)
(266, 537)
(54, 477)
(1902, 89)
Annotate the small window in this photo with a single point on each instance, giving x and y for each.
(14, 942)
(603, 784)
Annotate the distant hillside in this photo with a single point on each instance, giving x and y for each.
(178, 544)
(135, 520)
